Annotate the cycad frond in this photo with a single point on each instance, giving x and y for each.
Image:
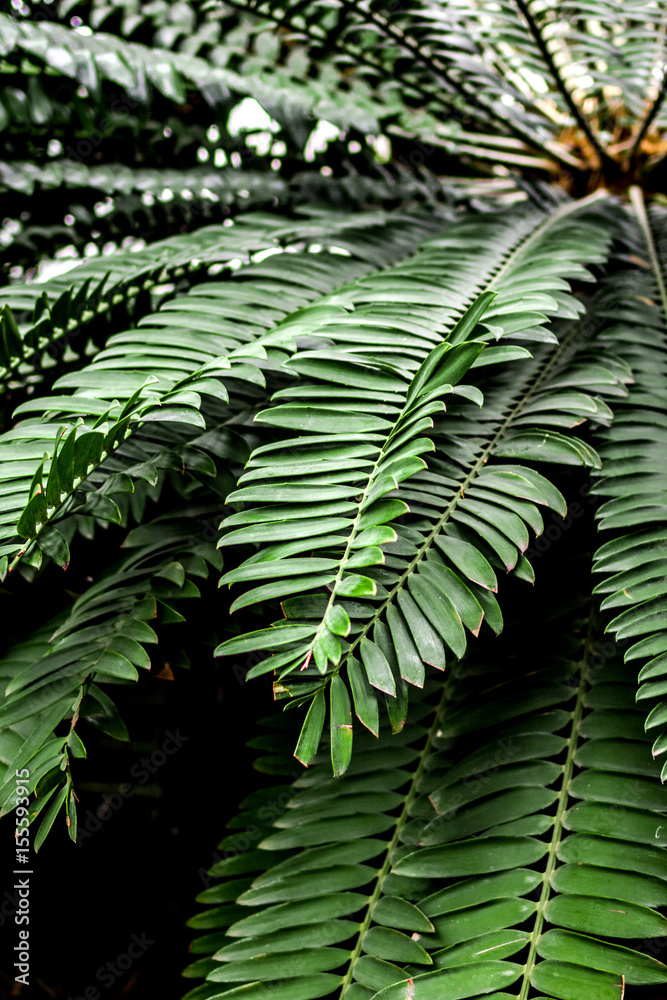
(480, 851)
(336, 490)
(552, 78)
(56, 673)
(156, 372)
(373, 285)
(59, 310)
(634, 476)
(92, 59)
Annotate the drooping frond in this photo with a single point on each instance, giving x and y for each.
(187, 27)
(482, 850)
(237, 856)
(56, 673)
(59, 310)
(565, 81)
(159, 371)
(199, 194)
(90, 60)
(359, 281)
(334, 491)
(634, 475)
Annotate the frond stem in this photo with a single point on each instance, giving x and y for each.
(649, 119)
(639, 205)
(394, 842)
(554, 844)
(573, 108)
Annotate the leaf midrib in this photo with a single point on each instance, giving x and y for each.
(394, 842)
(565, 346)
(492, 280)
(561, 806)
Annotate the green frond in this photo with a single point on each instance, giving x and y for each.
(351, 302)
(198, 195)
(428, 50)
(61, 309)
(173, 26)
(92, 60)
(56, 673)
(338, 489)
(634, 479)
(156, 374)
(479, 851)
(545, 75)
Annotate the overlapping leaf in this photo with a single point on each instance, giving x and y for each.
(92, 59)
(159, 371)
(56, 673)
(634, 477)
(403, 593)
(61, 308)
(494, 851)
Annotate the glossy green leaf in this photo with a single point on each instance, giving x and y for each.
(392, 911)
(311, 732)
(426, 639)
(594, 954)
(337, 620)
(317, 935)
(53, 808)
(377, 667)
(590, 880)
(572, 982)
(480, 889)
(341, 726)
(620, 918)
(304, 912)
(391, 944)
(440, 612)
(410, 664)
(338, 878)
(301, 988)
(492, 946)
(472, 857)
(455, 984)
(365, 699)
(354, 585)
(468, 560)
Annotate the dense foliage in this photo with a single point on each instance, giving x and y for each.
(354, 308)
